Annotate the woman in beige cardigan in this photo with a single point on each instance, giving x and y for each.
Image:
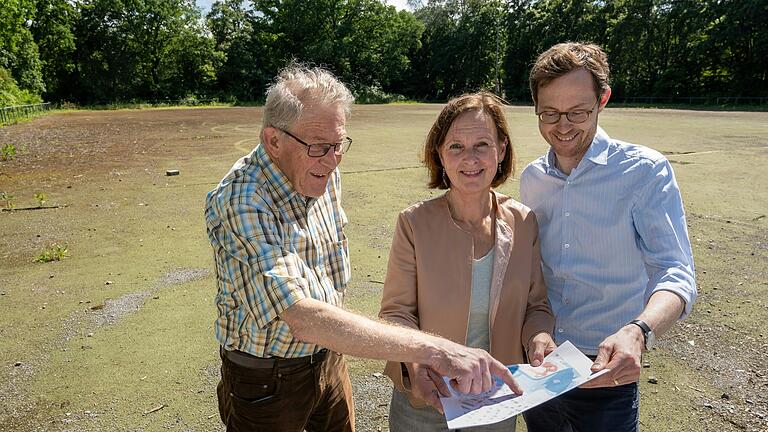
(465, 265)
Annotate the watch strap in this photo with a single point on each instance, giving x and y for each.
(644, 327)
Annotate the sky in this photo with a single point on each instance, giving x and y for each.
(206, 4)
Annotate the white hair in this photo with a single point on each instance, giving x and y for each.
(297, 86)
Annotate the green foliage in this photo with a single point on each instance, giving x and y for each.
(117, 51)
(8, 152)
(41, 198)
(463, 46)
(53, 33)
(143, 49)
(8, 198)
(55, 252)
(375, 95)
(364, 42)
(679, 48)
(11, 94)
(18, 50)
(243, 55)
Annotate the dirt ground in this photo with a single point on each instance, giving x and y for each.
(118, 335)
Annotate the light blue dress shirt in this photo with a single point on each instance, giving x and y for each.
(612, 233)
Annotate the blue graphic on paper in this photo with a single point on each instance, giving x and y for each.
(554, 383)
(562, 370)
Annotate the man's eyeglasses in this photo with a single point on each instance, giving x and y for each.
(321, 149)
(577, 116)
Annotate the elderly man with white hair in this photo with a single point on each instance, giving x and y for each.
(282, 264)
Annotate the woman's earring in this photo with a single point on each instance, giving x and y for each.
(499, 170)
(446, 182)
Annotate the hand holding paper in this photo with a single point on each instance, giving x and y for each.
(562, 370)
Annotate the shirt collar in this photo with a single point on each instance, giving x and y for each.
(598, 150)
(282, 188)
(596, 153)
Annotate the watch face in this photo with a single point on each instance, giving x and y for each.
(650, 340)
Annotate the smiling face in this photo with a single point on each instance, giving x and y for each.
(317, 124)
(574, 91)
(471, 152)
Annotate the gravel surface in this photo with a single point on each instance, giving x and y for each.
(735, 363)
(372, 394)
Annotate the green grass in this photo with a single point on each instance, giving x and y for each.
(55, 252)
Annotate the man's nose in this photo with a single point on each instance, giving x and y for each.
(563, 120)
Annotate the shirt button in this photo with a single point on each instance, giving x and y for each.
(567, 245)
(559, 330)
(567, 214)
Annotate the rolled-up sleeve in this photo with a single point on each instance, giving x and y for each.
(659, 219)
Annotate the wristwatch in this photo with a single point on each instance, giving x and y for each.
(649, 337)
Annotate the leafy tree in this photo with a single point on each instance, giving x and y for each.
(737, 52)
(145, 49)
(107, 50)
(11, 94)
(462, 47)
(18, 51)
(377, 42)
(520, 52)
(365, 42)
(537, 25)
(52, 31)
(247, 56)
(633, 23)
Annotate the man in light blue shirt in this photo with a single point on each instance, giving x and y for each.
(615, 251)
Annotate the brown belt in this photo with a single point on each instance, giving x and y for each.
(249, 361)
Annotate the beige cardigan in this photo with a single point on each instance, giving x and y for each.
(429, 279)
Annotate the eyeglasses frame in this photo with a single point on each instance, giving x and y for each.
(346, 142)
(567, 114)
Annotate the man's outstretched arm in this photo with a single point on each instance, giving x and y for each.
(342, 331)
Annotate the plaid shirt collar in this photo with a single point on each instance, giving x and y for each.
(282, 190)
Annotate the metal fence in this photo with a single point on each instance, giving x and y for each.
(12, 114)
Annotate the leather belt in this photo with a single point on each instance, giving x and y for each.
(249, 361)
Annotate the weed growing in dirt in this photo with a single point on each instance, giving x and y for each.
(8, 198)
(8, 152)
(54, 253)
(41, 198)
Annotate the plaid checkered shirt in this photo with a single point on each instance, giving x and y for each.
(272, 247)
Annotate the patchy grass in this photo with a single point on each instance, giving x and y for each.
(128, 224)
(7, 200)
(8, 152)
(55, 252)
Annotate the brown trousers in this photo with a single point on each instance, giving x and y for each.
(311, 397)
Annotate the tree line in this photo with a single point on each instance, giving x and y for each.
(98, 51)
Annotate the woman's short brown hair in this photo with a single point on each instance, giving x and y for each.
(567, 57)
(486, 102)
